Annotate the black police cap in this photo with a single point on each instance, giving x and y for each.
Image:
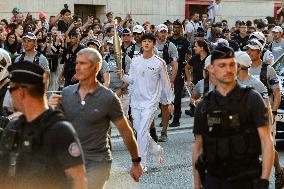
(26, 72)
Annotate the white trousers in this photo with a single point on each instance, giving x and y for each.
(142, 119)
(124, 99)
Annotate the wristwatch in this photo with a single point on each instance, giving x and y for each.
(136, 160)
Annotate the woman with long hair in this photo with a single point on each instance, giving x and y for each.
(194, 68)
(12, 46)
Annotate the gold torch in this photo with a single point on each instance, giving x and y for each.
(117, 48)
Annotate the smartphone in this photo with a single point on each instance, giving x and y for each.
(58, 33)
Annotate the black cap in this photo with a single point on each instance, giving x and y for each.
(26, 72)
(126, 30)
(149, 36)
(225, 30)
(243, 23)
(177, 22)
(220, 35)
(73, 33)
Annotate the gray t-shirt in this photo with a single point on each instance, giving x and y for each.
(91, 118)
(115, 81)
(42, 60)
(104, 68)
(173, 54)
(277, 48)
(256, 84)
(273, 81)
(198, 89)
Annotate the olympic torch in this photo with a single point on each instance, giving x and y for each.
(117, 48)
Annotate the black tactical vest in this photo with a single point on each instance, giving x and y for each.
(231, 138)
(33, 163)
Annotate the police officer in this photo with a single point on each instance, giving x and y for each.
(231, 132)
(127, 46)
(40, 149)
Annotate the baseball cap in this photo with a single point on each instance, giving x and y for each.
(138, 29)
(242, 24)
(162, 27)
(207, 62)
(243, 58)
(177, 22)
(26, 72)
(221, 41)
(16, 10)
(277, 29)
(254, 44)
(126, 30)
(41, 15)
(30, 35)
(238, 22)
(94, 42)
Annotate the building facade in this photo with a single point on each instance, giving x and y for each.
(156, 11)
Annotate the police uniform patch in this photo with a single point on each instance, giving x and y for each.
(74, 150)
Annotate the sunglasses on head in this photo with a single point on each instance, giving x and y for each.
(125, 35)
(135, 33)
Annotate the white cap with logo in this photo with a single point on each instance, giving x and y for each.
(243, 58)
(162, 27)
(138, 29)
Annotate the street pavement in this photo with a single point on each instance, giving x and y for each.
(175, 173)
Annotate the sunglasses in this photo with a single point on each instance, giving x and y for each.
(11, 89)
(125, 35)
(135, 33)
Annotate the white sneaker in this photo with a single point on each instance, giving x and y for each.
(159, 156)
(145, 169)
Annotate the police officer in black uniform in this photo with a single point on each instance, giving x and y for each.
(231, 131)
(40, 149)
(184, 49)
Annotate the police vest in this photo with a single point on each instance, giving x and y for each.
(231, 139)
(31, 160)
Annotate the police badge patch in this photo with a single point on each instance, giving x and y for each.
(74, 150)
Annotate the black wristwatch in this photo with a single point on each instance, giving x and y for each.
(274, 112)
(136, 160)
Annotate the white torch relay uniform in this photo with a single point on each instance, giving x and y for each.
(150, 85)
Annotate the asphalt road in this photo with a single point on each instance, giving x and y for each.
(175, 173)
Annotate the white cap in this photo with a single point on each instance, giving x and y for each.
(254, 44)
(207, 62)
(138, 29)
(110, 41)
(162, 27)
(243, 58)
(221, 40)
(277, 29)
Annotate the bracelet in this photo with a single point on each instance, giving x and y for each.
(274, 112)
